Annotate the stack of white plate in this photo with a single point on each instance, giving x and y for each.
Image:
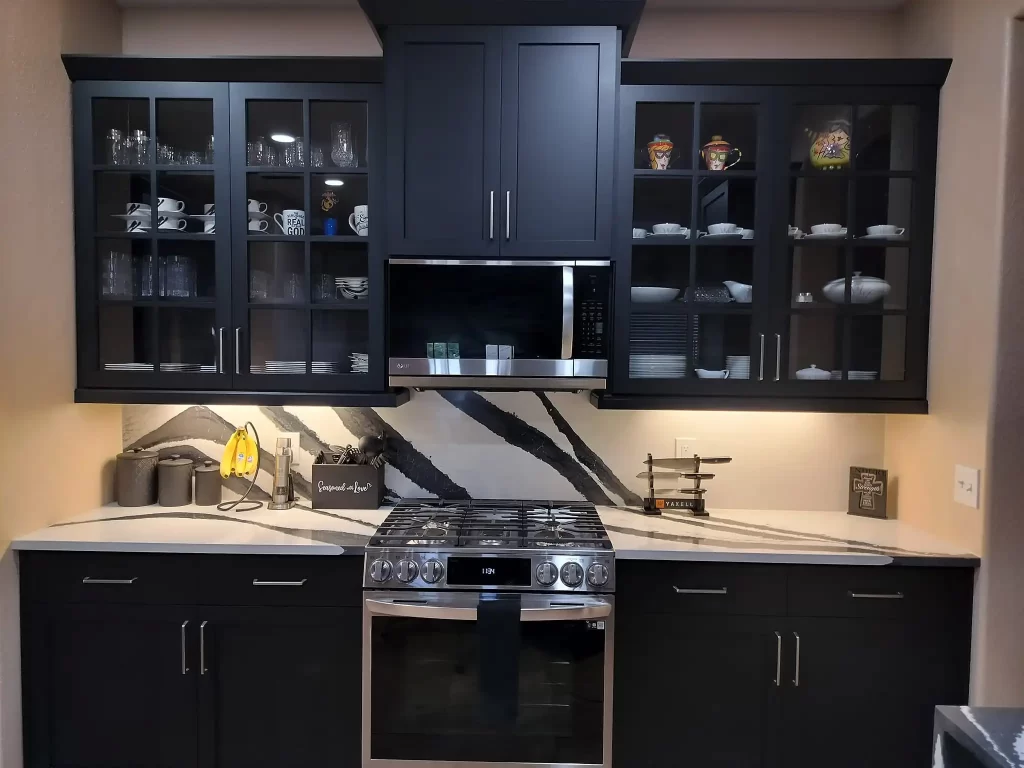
(856, 375)
(738, 366)
(360, 362)
(657, 366)
(279, 367)
(332, 366)
(187, 368)
(353, 287)
(127, 366)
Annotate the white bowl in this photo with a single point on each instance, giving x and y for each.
(741, 292)
(703, 373)
(723, 229)
(863, 290)
(814, 373)
(652, 294)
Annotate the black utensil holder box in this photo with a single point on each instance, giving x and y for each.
(347, 486)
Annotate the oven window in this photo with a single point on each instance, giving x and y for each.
(440, 692)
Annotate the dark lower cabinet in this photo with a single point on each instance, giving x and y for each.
(108, 686)
(280, 686)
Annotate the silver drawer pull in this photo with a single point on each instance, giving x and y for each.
(719, 591)
(261, 583)
(91, 580)
(876, 595)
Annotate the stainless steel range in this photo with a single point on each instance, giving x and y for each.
(488, 630)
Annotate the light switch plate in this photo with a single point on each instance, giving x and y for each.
(965, 486)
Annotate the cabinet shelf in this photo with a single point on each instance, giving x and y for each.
(300, 169)
(689, 308)
(338, 239)
(389, 399)
(670, 173)
(348, 304)
(605, 401)
(849, 174)
(161, 302)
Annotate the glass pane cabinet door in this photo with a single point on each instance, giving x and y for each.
(158, 288)
(305, 278)
(694, 269)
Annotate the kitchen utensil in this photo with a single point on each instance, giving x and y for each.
(652, 294)
(372, 448)
(136, 472)
(740, 292)
(174, 480)
(208, 484)
(863, 290)
(343, 152)
(716, 154)
(282, 495)
(814, 373)
(660, 152)
(686, 468)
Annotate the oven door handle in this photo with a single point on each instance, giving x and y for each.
(554, 610)
(568, 310)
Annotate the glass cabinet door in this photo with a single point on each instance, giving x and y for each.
(154, 269)
(850, 247)
(304, 274)
(698, 240)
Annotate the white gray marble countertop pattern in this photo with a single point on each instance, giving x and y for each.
(769, 536)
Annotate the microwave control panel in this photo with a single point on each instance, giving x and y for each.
(591, 301)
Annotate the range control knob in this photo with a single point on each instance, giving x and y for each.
(432, 571)
(547, 574)
(597, 575)
(572, 574)
(407, 570)
(380, 570)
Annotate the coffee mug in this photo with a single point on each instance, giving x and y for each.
(136, 225)
(793, 231)
(639, 233)
(209, 209)
(669, 229)
(255, 206)
(210, 227)
(137, 209)
(828, 229)
(330, 226)
(748, 234)
(291, 221)
(258, 225)
(359, 220)
(169, 204)
(723, 229)
(172, 222)
(886, 230)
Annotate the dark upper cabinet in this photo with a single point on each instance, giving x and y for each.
(500, 141)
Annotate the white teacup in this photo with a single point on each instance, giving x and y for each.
(793, 231)
(828, 229)
(669, 229)
(172, 222)
(137, 225)
(703, 373)
(170, 205)
(639, 233)
(255, 206)
(748, 234)
(255, 225)
(886, 230)
(209, 209)
(137, 210)
(210, 227)
(723, 229)
(359, 220)
(291, 221)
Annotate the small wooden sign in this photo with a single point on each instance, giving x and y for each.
(347, 486)
(869, 492)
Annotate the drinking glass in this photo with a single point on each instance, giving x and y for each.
(209, 151)
(270, 155)
(145, 275)
(137, 147)
(342, 152)
(259, 284)
(291, 157)
(192, 158)
(317, 157)
(325, 289)
(257, 152)
(291, 287)
(164, 154)
(115, 147)
(116, 276)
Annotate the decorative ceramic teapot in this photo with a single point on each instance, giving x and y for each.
(830, 148)
(660, 150)
(716, 154)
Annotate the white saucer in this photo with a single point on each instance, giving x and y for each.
(882, 237)
(664, 234)
(203, 216)
(258, 215)
(828, 236)
(724, 234)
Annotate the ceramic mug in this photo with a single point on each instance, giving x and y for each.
(138, 210)
(359, 220)
(723, 229)
(291, 221)
(255, 206)
(209, 209)
(172, 222)
(170, 205)
(136, 225)
(828, 229)
(210, 227)
(669, 229)
(639, 234)
(748, 234)
(257, 225)
(886, 230)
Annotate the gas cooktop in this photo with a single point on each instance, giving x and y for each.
(479, 544)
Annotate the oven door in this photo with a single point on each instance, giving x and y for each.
(498, 324)
(460, 679)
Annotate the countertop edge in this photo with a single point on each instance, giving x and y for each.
(184, 548)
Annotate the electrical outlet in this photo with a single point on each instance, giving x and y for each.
(965, 486)
(685, 447)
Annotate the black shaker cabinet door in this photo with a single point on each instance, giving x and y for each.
(443, 140)
(280, 686)
(110, 686)
(558, 89)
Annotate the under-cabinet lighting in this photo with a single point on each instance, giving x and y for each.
(283, 138)
(334, 182)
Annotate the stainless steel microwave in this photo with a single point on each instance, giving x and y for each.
(481, 324)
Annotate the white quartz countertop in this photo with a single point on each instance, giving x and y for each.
(727, 535)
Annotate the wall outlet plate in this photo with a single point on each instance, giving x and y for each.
(685, 447)
(965, 486)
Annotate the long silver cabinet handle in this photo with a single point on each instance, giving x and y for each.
(508, 214)
(202, 648)
(220, 350)
(876, 595)
(492, 215)
(778, 356)
(184, 659)
(238, 350)
(760, 374)
(796, 669)
(778, 659)
(686, 591)
(125, 582)
(262, 583)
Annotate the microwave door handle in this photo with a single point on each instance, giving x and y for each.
(568, 310)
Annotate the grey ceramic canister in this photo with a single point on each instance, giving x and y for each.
(208, 485)
(135, 482)
(175, 481)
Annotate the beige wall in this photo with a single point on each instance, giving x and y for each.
(51, 449)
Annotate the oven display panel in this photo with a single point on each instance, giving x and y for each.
(489, 571)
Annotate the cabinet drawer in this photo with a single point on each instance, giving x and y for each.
(881, 592)
(290, 580)
(700, 588)
(103, 577)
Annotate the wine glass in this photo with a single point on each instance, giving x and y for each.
(342, 151)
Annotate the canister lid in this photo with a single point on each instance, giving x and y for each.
(176, 461)
(208, 466)
(138, 453)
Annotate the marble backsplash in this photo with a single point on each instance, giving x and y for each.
(460, 444)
